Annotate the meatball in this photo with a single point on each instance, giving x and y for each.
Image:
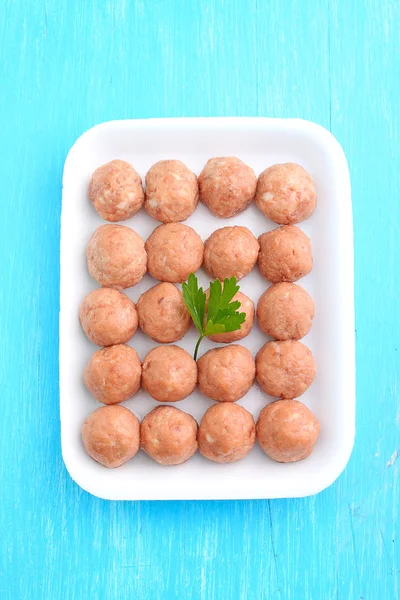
(116, 256)
(285, 311)
(226, 374)
(286, 193)
(111, 435)
(287, 430)
(230, 252)
(227, 186)
(115, 191)
(168, 435)
(246, 306)
(227, 433)
(172, 191)
(113, 374)
(169, 373)
(108, 317)
(285, 254)
(174, 251)
(285, 369)
(162, 313)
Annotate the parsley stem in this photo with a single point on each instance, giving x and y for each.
(197, 347)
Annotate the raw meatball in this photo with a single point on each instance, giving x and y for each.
(162, 313)
(169, 373)
(174, 251)
(286, 193)
(108, 317)
(111, 435)
(113, 374)
(172, 191)
(285, 254)
(285, 369)
(226, 374)
(116, 256)
(285, 311)
(227, 433)
(168, 435)
(227, 186)
(246, 306)
(230, 252)
(115, 191)
(287, 430)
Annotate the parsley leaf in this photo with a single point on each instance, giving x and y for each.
(195, 300)
(222, 314)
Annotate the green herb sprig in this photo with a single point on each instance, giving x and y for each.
(222, 315)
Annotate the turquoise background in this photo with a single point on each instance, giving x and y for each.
(68, 65)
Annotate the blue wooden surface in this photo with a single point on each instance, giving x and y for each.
(68, 65)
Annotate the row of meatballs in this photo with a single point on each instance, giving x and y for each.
(285, 193)
(285, 312)
(286, 431)
(118, 258)
(283, 369)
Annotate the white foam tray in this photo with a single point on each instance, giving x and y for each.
(260, 142)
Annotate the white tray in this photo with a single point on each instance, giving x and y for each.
(259, 142)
